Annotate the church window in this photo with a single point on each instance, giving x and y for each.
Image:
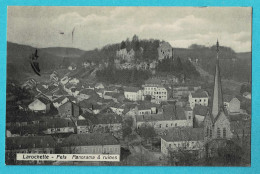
(207, 133)
(218, 132)
(210, 133)
(224, 132)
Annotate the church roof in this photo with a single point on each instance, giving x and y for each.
(217, 94)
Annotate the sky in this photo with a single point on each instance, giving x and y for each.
(95, 27)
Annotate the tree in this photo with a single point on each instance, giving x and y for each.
(245, 88)
(147, 131)
(127, 131)
(123, 45)
(148, 98)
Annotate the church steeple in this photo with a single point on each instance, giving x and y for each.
(217, 95)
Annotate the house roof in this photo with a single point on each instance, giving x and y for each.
(200, 110)
(144, 105)
(60, 99)
(44, 100)
(173, 113)
(83, 123)
(29, 142)
(241, 127)
(60, 92)
(110, 93)
(228, 98)
(59, 123)
(184, 134)
(88, 91)
(131, 89)
(203, 94)
(151, 117)
(90, 140)
(109, 118)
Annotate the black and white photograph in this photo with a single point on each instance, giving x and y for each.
(128, 86)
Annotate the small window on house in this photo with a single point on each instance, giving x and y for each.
(224, 132)
(166, 125)
(218, 132)
(210, 133)
(176, 124)
(189, 117)
(160, 126)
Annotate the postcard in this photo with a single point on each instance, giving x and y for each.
(128, 86)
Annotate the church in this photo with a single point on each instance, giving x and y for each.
(217, 122)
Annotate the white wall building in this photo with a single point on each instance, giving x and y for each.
(200, 98)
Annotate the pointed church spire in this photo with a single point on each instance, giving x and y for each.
(217, 95)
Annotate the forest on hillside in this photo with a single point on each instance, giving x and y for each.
(233, 65)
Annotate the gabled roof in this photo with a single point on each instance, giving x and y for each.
(88, 92)
(90, 139)
(171, 112)
(184, 134)
(131, 89)
(200, 110)
(109, 118)
(29, 142)
(83, 123)
(44, 100)
(60, 92)
(203, 94)
(144, 105)
(59, 123)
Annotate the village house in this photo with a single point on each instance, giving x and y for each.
(59, 93)
(108, 122)
(99, 86)
(171, 117)
(200, 98)
(72, 67)
(165, 50)
(64, 80)
(89, 86)
(85, 94)
(83, 126)
(92, 143)
(133, 94)
(29, 84)
(200, 113)
(232, 104)
(147, 108)
(100, 92)
(156, 90)
(40, 104)
(69, 109)
(33, 144)
(183, 139)
(74, 81)
(118, 108)
(90, 107)
(58, 126)
(247, 95)
(54, 76)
